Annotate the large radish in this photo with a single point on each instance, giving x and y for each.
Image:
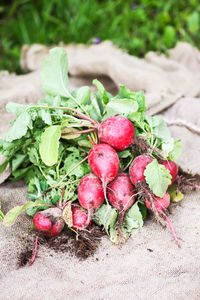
(90, 194)
(117, 132)
(121, 195)
(104, 162)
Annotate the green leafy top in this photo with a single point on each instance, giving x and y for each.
(49, 145)
(54, 73)
(157, 177)
(106, 216)
(46, 147)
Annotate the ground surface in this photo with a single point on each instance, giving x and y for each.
(149, 266)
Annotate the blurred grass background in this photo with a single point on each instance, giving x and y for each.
(135, 26)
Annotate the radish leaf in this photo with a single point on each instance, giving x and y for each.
(176, 151)
(19, 127)
(133, 220)
(49, 145)
(83, 95)
(121, 106)
(11, 216)
(54, 73)
(158, 178)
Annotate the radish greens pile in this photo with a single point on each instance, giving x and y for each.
(48, 144)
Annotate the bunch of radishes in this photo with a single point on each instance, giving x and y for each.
(107, 182)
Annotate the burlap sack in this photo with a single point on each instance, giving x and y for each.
(149, 266)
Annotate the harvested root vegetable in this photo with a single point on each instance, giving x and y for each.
(54, 142)
(79, 217)
(104, 162)
(156, 204)
(50, 221)
(117, 132)
(90, 194)
(172, 167)
(160, 205)
(41, 222)
(136, 170)
(121, 195)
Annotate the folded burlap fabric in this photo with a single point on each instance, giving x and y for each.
(149, 266)
(165, 81)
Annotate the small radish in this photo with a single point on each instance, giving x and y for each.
(137, 168)
(172, 167)
(117, 132)
(160, 205)
(156, 204)
(79, 217)
(121, 195)
(104, 162)
(41, 222)
(50, 221)
(90, 194)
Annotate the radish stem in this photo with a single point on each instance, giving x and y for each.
(77, 113)
(74, 167)
(79, 132)
(61, 198)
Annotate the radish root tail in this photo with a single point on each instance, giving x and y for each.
(169, 223)
(35, 252)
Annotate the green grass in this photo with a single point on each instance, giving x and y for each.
(137, 26)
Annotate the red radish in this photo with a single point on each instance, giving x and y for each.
(41, 222)
(156, 204)
(172, 167)
(121, 192)
(117, 132)
(137, 168)
(79, 217)
(121, 195)
(104, 162)
(90, 194)
(50, 221)
(160, 203)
